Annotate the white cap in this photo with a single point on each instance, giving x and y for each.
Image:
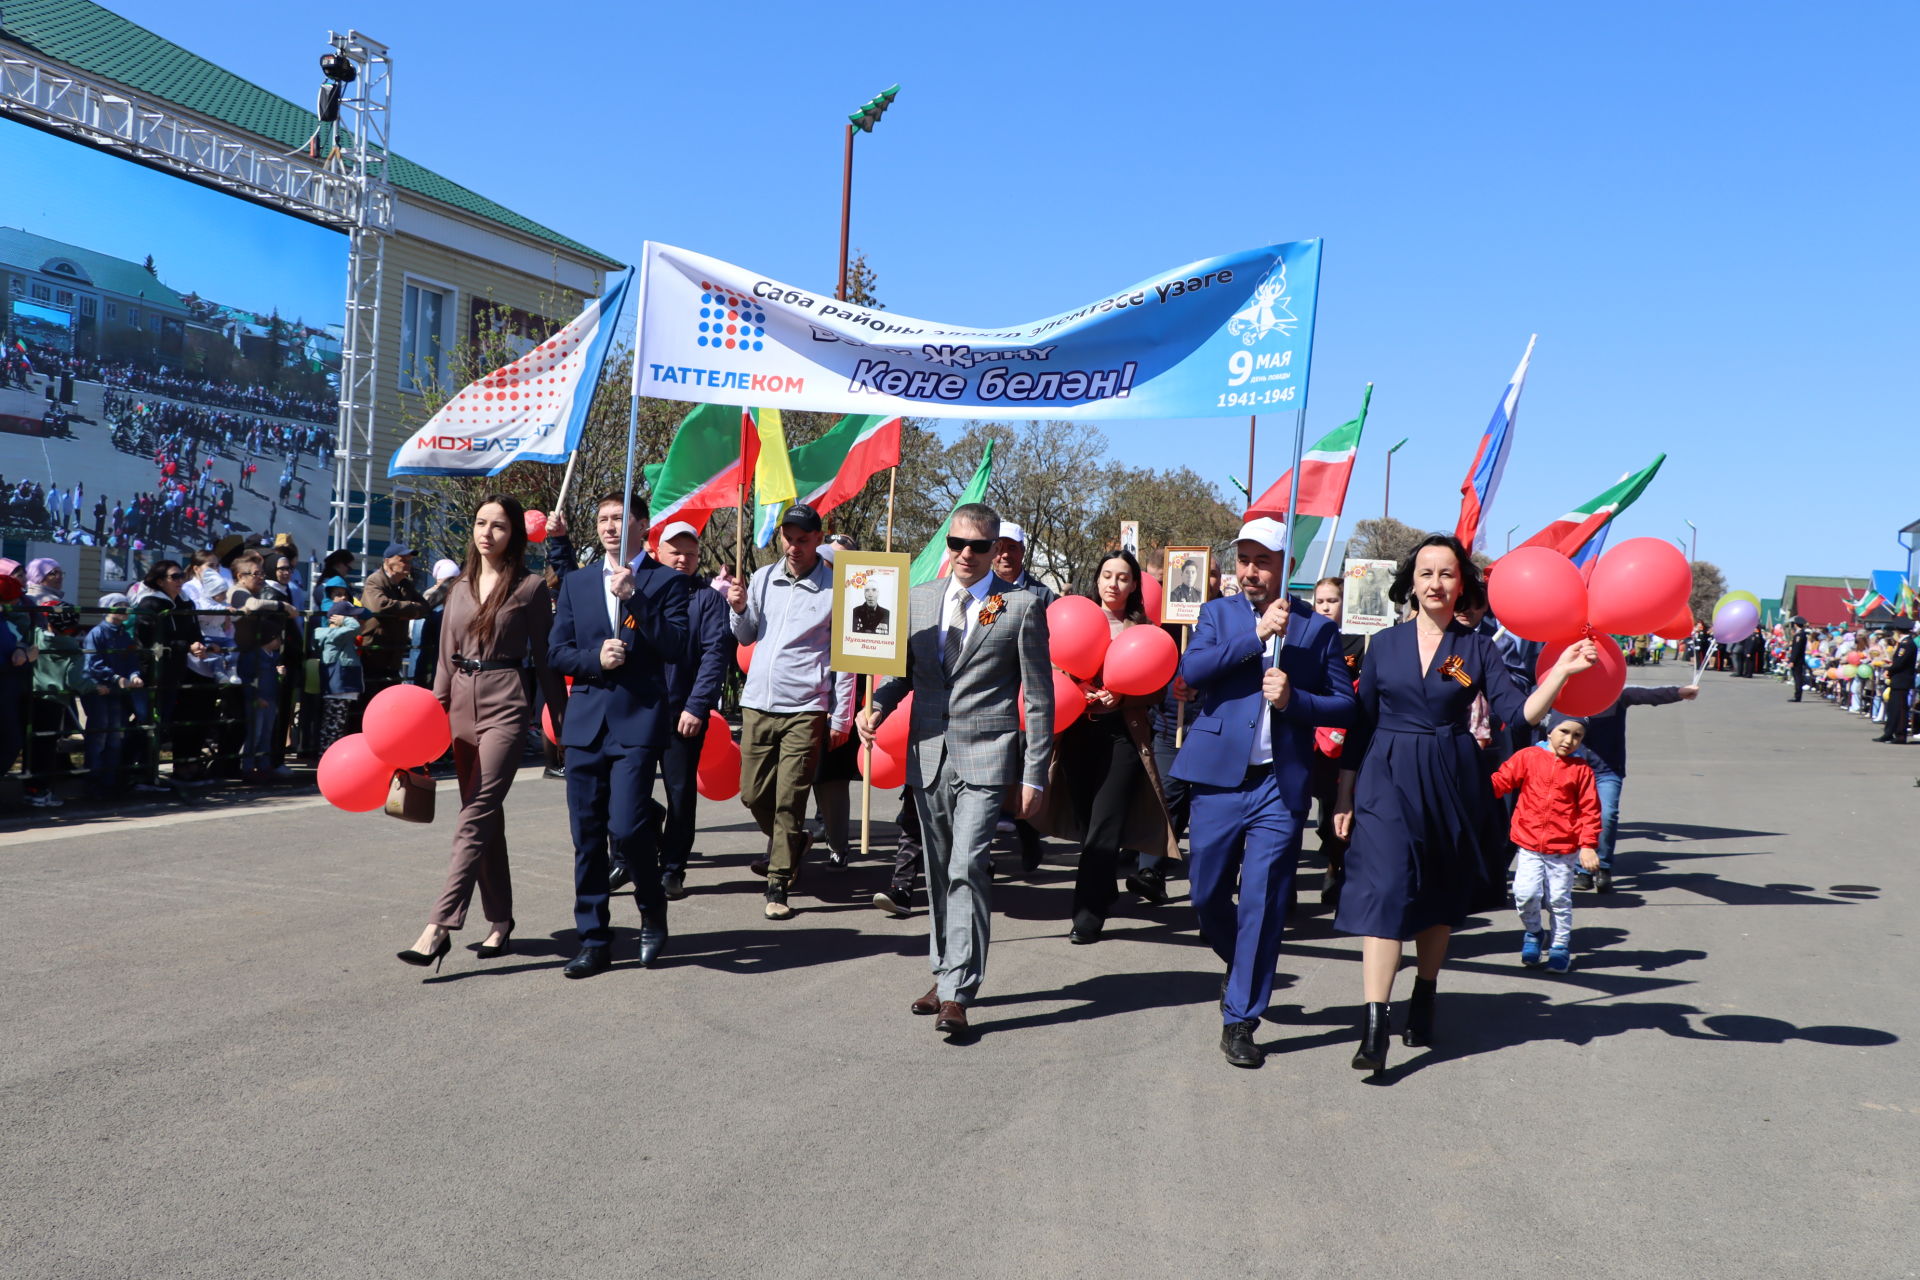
(444, 569)
(677, 528)
(1013, 532)
(1266, 531)
(826, 551)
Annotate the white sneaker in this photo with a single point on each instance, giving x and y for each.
(44, 800)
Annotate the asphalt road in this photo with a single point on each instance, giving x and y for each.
(213, 1066)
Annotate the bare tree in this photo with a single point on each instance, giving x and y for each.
(1383, 538)
(1709, 584)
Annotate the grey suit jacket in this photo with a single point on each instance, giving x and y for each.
(972, 722)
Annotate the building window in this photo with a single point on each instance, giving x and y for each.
(42, 291)
(133, 317)
(113, 310)
(423, 318)
(88, 303)
(63, 297)
(16, 286)
(153, 323)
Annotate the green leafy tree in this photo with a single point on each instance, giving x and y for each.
(1382, 538)
(1709, 584)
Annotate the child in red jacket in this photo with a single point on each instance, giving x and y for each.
(1556, 820)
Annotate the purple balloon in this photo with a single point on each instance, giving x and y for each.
(1735, 622)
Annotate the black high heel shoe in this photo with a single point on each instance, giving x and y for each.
(1372, 1053)
(1419, 1029)
(486, 952)
(424, 958)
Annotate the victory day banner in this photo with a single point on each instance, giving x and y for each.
(1225, 337)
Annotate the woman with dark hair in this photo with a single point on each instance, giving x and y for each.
(1105, 790)
(1428, 839)
(497, 618)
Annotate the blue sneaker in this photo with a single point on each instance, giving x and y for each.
(1530, 947)
(1559, 960)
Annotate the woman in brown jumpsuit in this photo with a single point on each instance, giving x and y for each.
(496, 623)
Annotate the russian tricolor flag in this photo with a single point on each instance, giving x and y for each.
(1483, 478)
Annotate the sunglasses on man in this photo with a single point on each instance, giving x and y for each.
(979, 546)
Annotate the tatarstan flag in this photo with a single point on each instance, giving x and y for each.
(1576, 535)
(713, 452)
(1325, 470)
(931, 563)
(832, 469)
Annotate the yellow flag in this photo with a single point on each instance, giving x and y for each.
(773, 487)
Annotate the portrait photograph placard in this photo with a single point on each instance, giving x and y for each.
(870, 612)
(1367, 608)
(1184, 589)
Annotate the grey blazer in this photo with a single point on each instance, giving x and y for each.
(972, 722)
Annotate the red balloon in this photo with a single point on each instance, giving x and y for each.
(717, 777)
(1537, 594)
(1151, 596)
(1069, 702)
(406, 726)
(743, 654)
(1637, 586)
(883, 770)
(717, 727)
(1077, 635)
(1140, 660)
(546, 723)
(1679, 628)
(1593, 690)
(536, 526)
(352, 777)
(892, 734)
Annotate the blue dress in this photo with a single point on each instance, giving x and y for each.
(1429, 839)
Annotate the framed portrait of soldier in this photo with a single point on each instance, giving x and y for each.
(870, 612)
(1185, 587)
(1367, 609)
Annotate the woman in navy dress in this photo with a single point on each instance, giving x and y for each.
(1428, 839)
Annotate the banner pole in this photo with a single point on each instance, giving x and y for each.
(1326, 552)
(1299, 451)
(866, 783)
(893, 473)
(1252, 422)
(566, 482)
(633, 405)
(1180, 707)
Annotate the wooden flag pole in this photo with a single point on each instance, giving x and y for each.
(866, 772)
(1180, 710)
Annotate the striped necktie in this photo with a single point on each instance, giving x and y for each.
(956, 627)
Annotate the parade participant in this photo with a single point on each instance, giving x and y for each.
(1329, 742)
(1556, 820)
(496, 625)
(1428, 842)
(616, 631)
(693, 692)
(1104, 790)
(1268, 671)
(1604, 745)
(974, 644)
(1797, 658)
(1010, 565)
(1149, 880)
(1900, 672)
(790, 708)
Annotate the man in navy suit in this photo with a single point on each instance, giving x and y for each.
(1267, 671)
(617, 630)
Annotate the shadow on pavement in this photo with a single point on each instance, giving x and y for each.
(1668, 832)
(1102, 996)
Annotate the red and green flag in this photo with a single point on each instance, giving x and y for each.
(1325, 470)
(712, 454)
(1578, 534)
(832, 469)
(931, 563)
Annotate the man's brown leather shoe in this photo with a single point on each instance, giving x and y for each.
(928, 1003)
(953, 1019)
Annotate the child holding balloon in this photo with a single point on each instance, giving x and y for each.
(1556, 821)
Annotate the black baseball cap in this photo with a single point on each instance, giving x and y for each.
(802, 517)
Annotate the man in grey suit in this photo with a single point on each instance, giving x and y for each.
(973, 641)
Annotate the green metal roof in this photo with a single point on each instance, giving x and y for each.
(115, 275)
(93, 39)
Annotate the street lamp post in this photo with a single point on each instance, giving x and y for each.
(1386, 502)
(1510, 537)
(864, 119)
(1693, 551)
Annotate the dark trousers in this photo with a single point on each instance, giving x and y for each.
(673, 822)
(608, 789)
(1244, 840)
(1103, 769)
(1799, 678)
(1899, 705)
(906, 856)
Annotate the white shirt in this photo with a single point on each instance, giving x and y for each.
(979, 593)
(608, 567)
(1262, 752)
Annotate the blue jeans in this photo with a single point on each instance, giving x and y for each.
(1607, 783)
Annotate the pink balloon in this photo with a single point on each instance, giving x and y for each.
(1069, 702)
(1151, 595)
(1637, 586)
(406, 726)
(1077, 635)
(1537, 594)
(892, 735)
(743, 654)
(536, 526)
(1141, 660)
(352, 777)
(883, 770)
(1593, 690)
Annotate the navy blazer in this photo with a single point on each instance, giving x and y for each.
(695, 686)
(1225, 663)
(631, 702)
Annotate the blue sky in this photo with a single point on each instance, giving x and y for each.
(1704, 210)
(201, 240)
